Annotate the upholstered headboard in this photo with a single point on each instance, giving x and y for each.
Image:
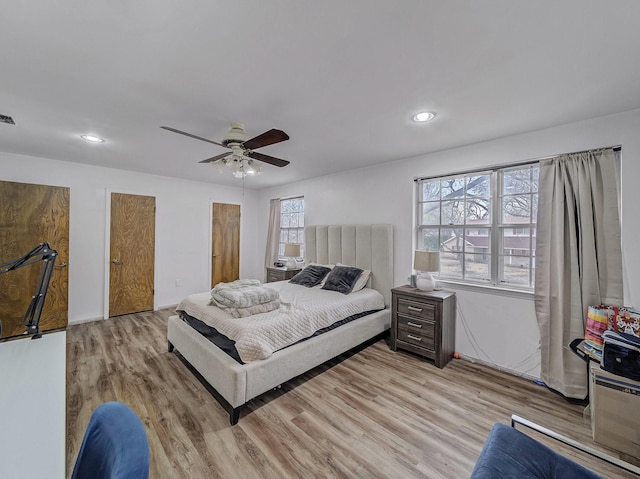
(365, 246)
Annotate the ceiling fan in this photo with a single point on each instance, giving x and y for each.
(240, 159)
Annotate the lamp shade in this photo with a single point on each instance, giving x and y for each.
(292, 250)
(426, 261)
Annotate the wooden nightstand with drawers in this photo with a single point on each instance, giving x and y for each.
(275, 273)
(423, 322)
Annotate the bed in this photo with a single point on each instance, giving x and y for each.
(364, 246)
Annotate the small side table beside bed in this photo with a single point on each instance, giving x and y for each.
(423, 322)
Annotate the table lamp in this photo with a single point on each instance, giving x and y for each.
(424, 262)
(292, 251)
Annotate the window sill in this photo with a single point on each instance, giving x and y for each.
(487, 289)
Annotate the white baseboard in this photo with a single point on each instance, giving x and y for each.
(88, 320)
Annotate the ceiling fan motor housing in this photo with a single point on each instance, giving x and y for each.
(235, 135)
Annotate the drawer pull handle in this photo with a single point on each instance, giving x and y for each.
(415, 338)
(415, 325)
(413, 308)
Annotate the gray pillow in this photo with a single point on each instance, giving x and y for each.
(342, 279)
(311, 276)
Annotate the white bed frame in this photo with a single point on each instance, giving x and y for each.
(365, 246)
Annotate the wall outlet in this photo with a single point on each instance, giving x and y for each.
(178, 283)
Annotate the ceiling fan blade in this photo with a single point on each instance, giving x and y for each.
(272, 160)
(267, 138)
(215, 158)
(190, 135)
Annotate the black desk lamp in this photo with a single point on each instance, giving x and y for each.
(42, 252)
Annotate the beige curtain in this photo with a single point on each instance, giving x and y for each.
(273, 234)
(578, 258)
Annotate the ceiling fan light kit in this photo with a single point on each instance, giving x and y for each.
(241, 159)
(239, 167)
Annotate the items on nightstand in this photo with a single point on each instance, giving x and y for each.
(424, 323)
(281, 273)
(425, 262)
(291, 251)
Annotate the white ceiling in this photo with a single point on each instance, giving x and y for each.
(341, 77)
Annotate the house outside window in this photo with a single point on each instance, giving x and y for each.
(291, 224)
(483, 223)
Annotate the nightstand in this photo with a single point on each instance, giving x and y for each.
(275, 273)
(423, 322)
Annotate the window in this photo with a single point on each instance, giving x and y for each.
(291, 223)
(483, 223)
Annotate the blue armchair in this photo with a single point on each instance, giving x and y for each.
(114, 446)
(508, 453)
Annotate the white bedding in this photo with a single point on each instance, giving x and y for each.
(303, 311)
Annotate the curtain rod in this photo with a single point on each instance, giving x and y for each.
(522, 163)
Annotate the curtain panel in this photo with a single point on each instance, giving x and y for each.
(578, 258)
(273, 234)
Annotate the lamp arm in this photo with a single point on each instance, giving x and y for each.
(42, 252)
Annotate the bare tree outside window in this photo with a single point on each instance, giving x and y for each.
(483, 224)
(291, 224)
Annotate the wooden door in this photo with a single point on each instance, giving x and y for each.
(225, 243)
(132, 253)
(30, 215)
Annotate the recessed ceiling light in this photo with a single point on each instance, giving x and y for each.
(92, 138)
(424, 116)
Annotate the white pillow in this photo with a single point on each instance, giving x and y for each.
(362, 279)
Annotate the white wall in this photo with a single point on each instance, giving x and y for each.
(494, 328)
(183, 222)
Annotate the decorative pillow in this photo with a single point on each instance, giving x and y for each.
(362, 279)
(627, 321)
(597, 323)
(311, 276)
(342, 279)
(330, 266)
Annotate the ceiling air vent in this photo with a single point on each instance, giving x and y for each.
(6, 119)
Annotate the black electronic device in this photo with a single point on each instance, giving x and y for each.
(278, 264)
(42, 252)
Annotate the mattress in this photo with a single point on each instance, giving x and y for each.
(303, 312)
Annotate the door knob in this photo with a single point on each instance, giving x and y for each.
(61, 265)
(116, 261)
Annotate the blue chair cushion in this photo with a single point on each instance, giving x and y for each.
(115, 445)
(509, 453)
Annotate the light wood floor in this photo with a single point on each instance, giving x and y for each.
(372, 414)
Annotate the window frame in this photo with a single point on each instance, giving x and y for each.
(299, 229)
(496, 226)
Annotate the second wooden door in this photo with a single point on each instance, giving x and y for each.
(131, 278)
(225, 243)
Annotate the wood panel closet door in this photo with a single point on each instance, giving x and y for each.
(132, 253)
(30, 215)
(225, 247)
